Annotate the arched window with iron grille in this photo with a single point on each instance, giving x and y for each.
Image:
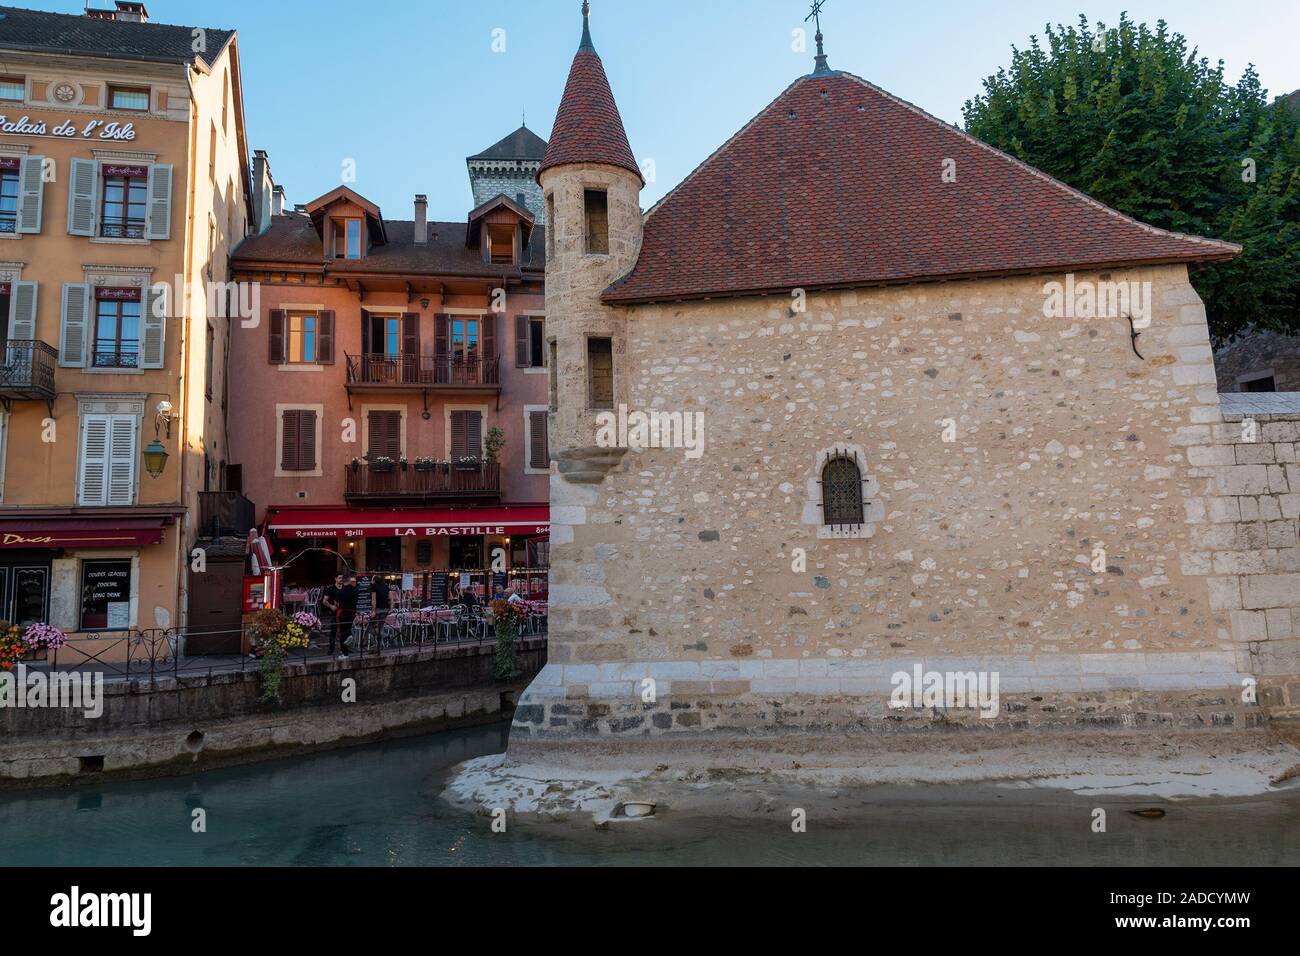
(842, 492)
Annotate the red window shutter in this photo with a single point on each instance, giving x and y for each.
(538, 449)
(291, 429)
(521, 341)
(276, 350)
(307, 441)
(325, 339)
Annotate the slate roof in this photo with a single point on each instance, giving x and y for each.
(293, 240)
(839, 184)
(523, 144)
(80, 35)
(588, 127)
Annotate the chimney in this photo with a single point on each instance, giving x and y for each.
(277, 201)
(132, 12)
(421, 219)
(262, 186)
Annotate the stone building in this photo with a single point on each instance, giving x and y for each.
(509, 168)
(957, 418)
(1260, 361)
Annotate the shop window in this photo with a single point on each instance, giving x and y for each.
(128, 98)
(117, 329)
(13, 89)
(596, 214)
(842, 493)
(29, 602)
(105, 596)
(126, 198)
(347, 239)
(9, 171)
(298, 440)
(465, 554)
(600, 370)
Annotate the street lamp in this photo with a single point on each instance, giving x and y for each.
(155, 455)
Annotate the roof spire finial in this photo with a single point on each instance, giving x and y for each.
(586, 44)
(822, 65)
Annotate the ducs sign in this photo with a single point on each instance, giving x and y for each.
(94, 129)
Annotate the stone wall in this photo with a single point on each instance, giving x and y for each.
(491, 178)
(1256, 354)
(187, 723)
(1068, 447)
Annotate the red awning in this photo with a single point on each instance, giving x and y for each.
(409, 523)
(79, 532)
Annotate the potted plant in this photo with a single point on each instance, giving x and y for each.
(40, 639)
(425, 465)
(356, 465)
(274, 635)
(469, 463)
(508, 618)
(12, 647)
(402, 463)
(495, 441)
(382, 465)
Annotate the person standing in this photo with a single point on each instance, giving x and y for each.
(329, 602)
(347, 614)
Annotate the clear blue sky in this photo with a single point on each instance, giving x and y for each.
(409, 89)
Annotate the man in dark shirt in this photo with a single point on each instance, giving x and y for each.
(329, 616)
(347, 614)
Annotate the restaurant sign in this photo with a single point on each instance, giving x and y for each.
(473, 531)
(93, 129)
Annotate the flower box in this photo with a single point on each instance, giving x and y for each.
(381, 467)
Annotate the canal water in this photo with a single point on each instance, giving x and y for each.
(379, 806)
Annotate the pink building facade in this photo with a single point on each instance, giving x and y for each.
(388, 409)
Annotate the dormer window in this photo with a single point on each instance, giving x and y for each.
(596, 214)
(501, 244)
(128, 98)
(347, 239)
(13, 89)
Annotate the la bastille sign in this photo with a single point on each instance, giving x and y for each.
(94, 129)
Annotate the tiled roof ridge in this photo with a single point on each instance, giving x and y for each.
(144, 24)
(605, 142)
(1217, 244)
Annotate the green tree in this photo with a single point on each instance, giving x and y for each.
(1134, 119)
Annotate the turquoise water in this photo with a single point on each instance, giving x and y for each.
(378, 806)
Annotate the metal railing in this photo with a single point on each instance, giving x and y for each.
(424, 371)
(28, 369)
(367, 480)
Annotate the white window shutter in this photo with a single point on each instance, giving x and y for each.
(83, 193)
(31, 195)
(75, 328)
(121, 460)
(22, 312)
(154, 327)
(94, 461)
(160, 202)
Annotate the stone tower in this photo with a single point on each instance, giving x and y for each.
(509, 168)
(591, 187)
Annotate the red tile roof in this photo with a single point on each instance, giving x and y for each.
(839, 184)
(588, 127)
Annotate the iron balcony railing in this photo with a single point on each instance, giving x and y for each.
(424, 371)
(417, 481)
(225, 514)
(27, 371)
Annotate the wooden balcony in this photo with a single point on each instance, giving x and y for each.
(225, 514)
(366, 481)
(423, 373)
(27, 373)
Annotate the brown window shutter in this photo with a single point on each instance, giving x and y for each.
(474, 434)
(365, 332)
(307, 441)
(291, 429)
(410, 334)
(276, 351)
(325, 339)
(521, 341)
(489, 326)
(385, 435)
(442, 335)
(458, 444)
(538, 450)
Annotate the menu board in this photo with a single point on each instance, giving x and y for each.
(365, 595)
(498, 583)
(438, 589)
(106, 595)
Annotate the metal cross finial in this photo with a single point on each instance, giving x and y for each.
(822, 65)
(586, 28)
